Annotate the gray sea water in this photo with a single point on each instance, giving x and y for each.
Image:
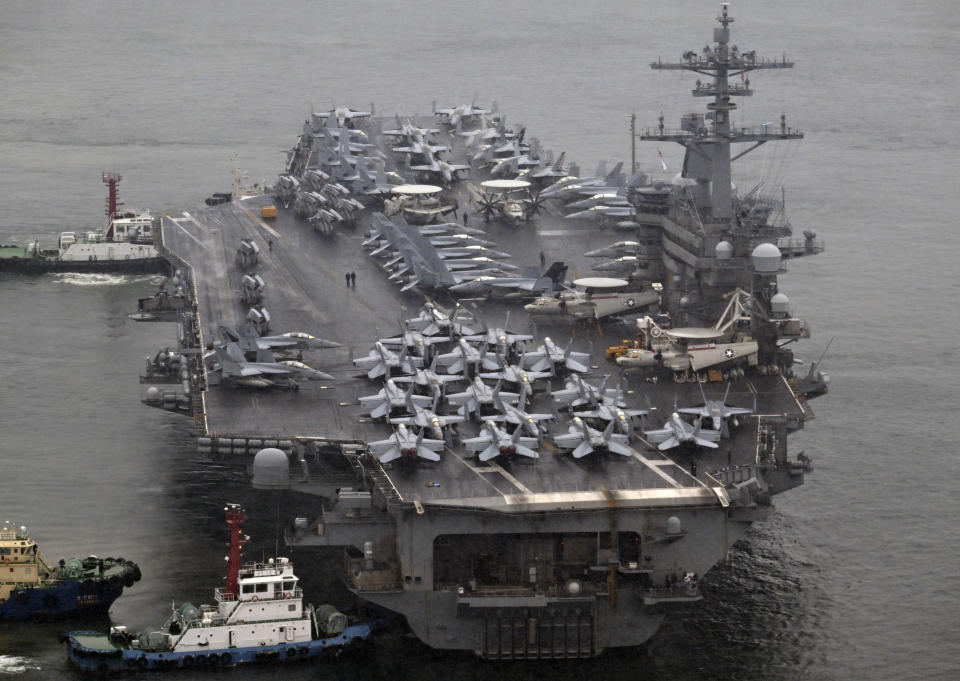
(855, 577)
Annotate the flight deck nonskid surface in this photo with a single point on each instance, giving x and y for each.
(306, 290)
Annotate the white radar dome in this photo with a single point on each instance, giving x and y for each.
(766, 258)
(724, 250)
(271, 469)
(780, 304)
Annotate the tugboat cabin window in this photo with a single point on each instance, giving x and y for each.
(288, 586)
(262, 588)
(248, 588)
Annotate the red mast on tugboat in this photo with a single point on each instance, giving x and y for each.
(235, 518)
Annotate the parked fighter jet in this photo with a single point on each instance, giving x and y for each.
(567, 186)
(432, 320)
(471, 251)
(430, 378)
(427, 418)
(615, 250)
(266, 372)
(419, 145)
(391, 396)
(597, 212)
(578, 392)
(677, 431)
(409, 129)
(549, 355)
(493, 441)
(515, 373)
(607, 408)
(500, 339)
(456, 114)
(404, 444)
(530, 422)
(342, 114)
(583, 439)
(717, 410)
(246, 336)
(478, 394)
(465, 355)
(414, 341)
(441, 168)
(381, 360)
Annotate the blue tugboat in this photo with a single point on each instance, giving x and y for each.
(30, 588)
(258, 617)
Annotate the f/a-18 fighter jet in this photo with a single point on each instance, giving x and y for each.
(549, 355)
(577, 392)
(583, 439)
(430, 378)
(676, 431)
(607, 408)
(392, 396)
(441, 168)
(500, 339)
(381, 360)
(414, 341)
(615, 250)
(246, 336)
(266, 372)
(464, 355)
(427, 418)
(494, 441)
(478, 394)
(404, 444)
(515, 373)
(342, 114)
(717, 410)
(518, 415)
(461, 112)
(432, 320)
(409, 129)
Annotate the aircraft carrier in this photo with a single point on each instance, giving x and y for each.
(569, 553)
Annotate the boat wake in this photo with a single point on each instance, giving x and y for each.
(11, 664)
(99, 279)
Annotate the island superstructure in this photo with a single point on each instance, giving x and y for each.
(482, 543)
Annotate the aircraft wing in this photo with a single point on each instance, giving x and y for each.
(659, 435)
(476, 444)
(701, 358)
(263, 368)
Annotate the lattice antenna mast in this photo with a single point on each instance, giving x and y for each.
(707, 138)
(235, 519)
(112, 180)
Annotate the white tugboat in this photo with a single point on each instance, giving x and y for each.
(258, 616)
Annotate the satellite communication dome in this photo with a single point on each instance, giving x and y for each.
(724, 250)
(766, 258)
(271, 469)
(673, 525)
(780, 304)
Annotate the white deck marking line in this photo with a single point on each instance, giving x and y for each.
(478, 471)
(649, 464)
(513, 481)
(259, 221)
(558, 232)
(182, 229)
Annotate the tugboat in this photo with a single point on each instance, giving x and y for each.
(259, 616)
(31, 589)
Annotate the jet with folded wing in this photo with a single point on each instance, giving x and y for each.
(391, 396)
(406, 446)
(717, 410)
(583, 439)
(493, 441)
(676, 431)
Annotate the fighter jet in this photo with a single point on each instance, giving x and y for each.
(430, 378)
(566, 187)
(478, 394)
(432, 320)
(381, 360)
(266, 372)
(246, 336)
(607, 408)
(439, 167)
(517, 415)
(469, 252)
(499, 338)
(615, 250)
(493, 441)
(549, 355)
(717, 410)
(479, 263)
(583, 439)
(409, 129)
(414, 341)
(597, 212)
(456, 114)
(464, 355)
(391, 396)
(420, 145)
(676, 431)
(342, 114)
(427, 418)
(578, 392)
(403, 444)
(515, 373)
(623, 265)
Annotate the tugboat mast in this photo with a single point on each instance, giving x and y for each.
(707, 138)
(235, 518)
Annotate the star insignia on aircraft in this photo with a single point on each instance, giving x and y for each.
(631, 302)
(728, 352)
